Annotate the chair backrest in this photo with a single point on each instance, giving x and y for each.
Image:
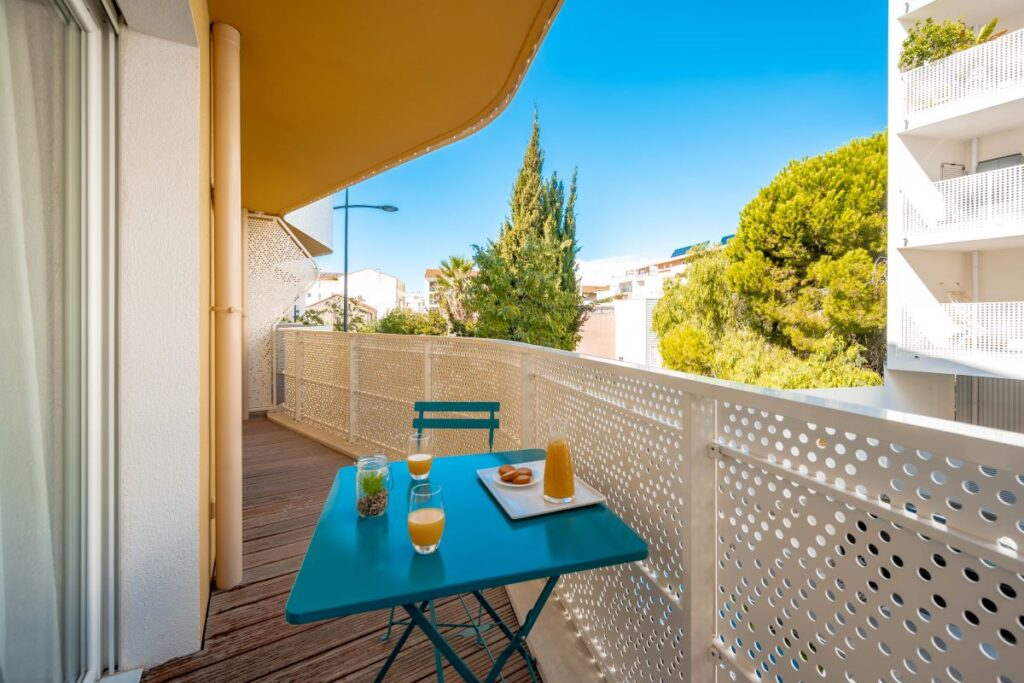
(490, 423)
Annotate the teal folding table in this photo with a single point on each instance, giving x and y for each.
(358, 565)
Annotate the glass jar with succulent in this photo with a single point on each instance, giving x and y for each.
(373, 484)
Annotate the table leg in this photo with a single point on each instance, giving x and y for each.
(398, 646)
(417, 618)
(438, 664)
(516, 639)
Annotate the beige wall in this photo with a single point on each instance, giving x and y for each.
(597, 336)
(1001, 277)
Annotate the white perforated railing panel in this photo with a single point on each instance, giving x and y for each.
(846, 556)
(466, 371)
(278, 270)
(809, 543)
(627, 440)
(389, 372)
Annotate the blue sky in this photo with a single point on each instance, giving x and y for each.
(676, 114)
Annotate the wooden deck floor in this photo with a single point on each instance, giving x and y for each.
(285, 480)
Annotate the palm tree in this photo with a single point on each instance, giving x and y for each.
(452, 289)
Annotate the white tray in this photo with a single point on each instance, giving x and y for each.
(528, 501)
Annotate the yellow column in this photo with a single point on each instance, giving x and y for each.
(227, 245)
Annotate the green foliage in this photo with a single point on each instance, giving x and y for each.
(807, 257)
(403, 321)
(521, 301)
(371, 483)
(688, 348)
(929, 41)
(797, 299)
(526, 287)
(306, 318)
(453, 293)
(704, 300)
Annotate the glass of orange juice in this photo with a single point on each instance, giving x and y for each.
(559, 484)
(419, 456)
(426, 517)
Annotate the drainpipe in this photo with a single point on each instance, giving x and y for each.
(975, 296)
(973, 166)
(227, 249)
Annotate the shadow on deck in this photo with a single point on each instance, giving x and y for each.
(286, 478)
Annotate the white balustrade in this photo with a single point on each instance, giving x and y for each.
(971, 203)
(791, 538)
(987, 68)
(965, 330)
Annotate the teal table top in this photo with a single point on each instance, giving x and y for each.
(356, 565)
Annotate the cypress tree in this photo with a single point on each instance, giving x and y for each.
(526, 289)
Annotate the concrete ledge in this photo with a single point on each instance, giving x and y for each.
(322, 437)
(562, 657)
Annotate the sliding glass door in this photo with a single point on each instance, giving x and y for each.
(54, 69)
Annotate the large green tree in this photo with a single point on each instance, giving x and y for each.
(526, 288)
(808, 256)
(797, 299)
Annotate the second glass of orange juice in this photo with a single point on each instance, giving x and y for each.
(419, 456)
(426, 517)
(559, 484)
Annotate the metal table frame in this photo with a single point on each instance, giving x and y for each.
(430, 627)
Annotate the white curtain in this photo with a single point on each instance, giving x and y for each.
(33, 117)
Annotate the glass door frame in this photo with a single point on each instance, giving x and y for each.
(91, 610)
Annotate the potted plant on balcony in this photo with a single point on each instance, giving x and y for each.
(930, 41)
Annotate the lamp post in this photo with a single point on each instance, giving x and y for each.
(380, 207)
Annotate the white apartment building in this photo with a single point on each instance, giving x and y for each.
(621, 329)
(956, 220)
(643, 282)
(381, 291)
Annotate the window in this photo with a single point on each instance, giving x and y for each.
(1000, 163)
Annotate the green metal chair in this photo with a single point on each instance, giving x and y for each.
(476, 626)
(490, 423)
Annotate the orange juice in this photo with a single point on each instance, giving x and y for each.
(425, 528)
(559, 485)
(419, 464)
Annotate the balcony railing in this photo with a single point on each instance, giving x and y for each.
(965, 330)
(790, 539)
(987, 68)
(972, 202)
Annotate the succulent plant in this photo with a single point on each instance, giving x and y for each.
(371, 484)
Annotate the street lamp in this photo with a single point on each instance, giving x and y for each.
(381, 207)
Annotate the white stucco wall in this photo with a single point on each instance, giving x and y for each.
(631, 330)
(316, 220)
(158, 336)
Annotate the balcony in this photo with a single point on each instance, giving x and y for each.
(967, 338)
(978, 211)
(967, 94)
(973, 12)
(790, 538)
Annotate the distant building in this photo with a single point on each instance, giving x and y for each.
(647, 281)
(379, 290)
(430, 278)
(416, 302)
(331, 309)
(622, 330)
(620, 327)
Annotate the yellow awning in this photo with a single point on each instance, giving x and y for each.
(336, 91)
